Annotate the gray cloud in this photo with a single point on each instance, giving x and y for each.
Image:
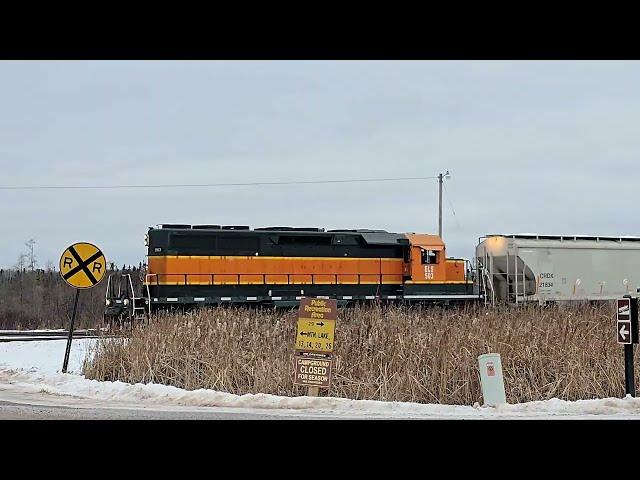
(545, 147)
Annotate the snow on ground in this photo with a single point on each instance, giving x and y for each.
(34, 368)
(45, 356)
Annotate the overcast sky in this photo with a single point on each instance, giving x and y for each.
(545, 147)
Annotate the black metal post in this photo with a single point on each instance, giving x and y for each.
(629, 386)
(70, 337)
(629, 383)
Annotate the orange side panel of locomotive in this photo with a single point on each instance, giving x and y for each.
(455, 270)
(207, 270)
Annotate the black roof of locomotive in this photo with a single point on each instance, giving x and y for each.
(372, 237)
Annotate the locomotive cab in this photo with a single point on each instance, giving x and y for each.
(427, 258)
(432, 274)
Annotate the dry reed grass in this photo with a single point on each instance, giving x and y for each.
(395, 354)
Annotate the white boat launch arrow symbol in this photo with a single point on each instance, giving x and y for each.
(624, 332)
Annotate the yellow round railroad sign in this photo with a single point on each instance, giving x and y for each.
(83, 265)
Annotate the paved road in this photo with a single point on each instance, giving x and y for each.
(16, 411)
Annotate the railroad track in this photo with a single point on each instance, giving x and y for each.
(33, 335)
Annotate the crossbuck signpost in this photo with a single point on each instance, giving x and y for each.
(82, 266)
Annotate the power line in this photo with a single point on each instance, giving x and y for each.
(184, 185)
(451, 206)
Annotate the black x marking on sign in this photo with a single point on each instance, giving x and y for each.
(82, 265)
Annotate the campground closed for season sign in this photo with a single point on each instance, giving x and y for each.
(313, 372)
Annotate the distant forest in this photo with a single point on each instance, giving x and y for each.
(39, 298)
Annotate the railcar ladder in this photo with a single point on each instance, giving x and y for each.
(487, 285)
(138, 310)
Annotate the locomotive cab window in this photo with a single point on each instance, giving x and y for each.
(429, 256)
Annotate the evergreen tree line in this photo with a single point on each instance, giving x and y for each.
(33, 298)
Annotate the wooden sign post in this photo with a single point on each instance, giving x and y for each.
(315, 335)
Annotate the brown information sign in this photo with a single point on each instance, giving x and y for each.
(316, 325)
(624, 309)
(313, 372)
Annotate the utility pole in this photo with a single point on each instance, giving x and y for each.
(441, 177)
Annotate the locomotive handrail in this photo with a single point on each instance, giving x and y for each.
(154, 278)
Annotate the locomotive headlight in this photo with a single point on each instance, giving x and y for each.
(108, 302)
(126, 301)
(146, 239)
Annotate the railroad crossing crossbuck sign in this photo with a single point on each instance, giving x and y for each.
(83, 265)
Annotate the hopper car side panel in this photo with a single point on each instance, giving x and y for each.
(548, 268)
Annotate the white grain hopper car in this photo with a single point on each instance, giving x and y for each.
(550, 268)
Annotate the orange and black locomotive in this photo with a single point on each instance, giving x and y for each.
(212, 265)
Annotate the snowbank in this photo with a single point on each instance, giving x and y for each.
(162, 395)
(33, 367)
